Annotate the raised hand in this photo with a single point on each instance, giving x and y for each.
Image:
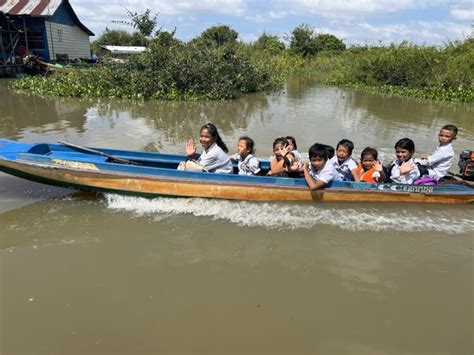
(294, 164)
(190, 147)
(378, 166)
(406, 167)
(284, 151)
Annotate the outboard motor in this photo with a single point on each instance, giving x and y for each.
(466, 165)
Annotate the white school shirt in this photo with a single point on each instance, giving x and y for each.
(215, 160)
(440, 161)
(344, 169)
(408, 178)
(248, 166)
(327, 174)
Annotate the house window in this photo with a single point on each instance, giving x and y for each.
(60, 35)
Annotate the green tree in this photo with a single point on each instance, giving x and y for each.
(218, 35)
(143, 22)
(269, 43)
(328, 42)
(304, 41)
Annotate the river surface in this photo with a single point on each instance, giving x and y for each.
(105, 274)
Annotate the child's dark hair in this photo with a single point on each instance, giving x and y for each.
(249, 143)
(279, 140)
(330, 150)
(215, 133)
(346, 143)
(406, 143)
(452, 128)
(292, 140)
(369, 151)
(318, 150)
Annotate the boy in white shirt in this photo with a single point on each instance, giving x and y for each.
(441, 160)
(319, 172)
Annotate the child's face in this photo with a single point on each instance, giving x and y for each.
(290, 145)
(317, 162)
(277, 150)
(403, 154)
(368, 161)
(242, 149)
(446, 137)
(342, 153)
(205, 138)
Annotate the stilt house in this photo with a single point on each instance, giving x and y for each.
(48, 28)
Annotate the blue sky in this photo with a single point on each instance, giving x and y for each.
(354, 21)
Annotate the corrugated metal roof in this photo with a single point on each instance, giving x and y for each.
(30, 7)
(125, 49)
(39, 8)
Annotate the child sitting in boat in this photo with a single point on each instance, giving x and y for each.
(370, 169)
(343, 162)
(297, 162)
(403, 170)
(214, 158)
(247, 163)
(319, 171)
(292, 147)
(279, 163)
(284, 163)
(439, 163)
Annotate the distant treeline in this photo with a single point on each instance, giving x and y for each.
(215, 65)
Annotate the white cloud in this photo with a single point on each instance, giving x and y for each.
(420, 32)
(351, 8)
(463, 14)
(166, 7)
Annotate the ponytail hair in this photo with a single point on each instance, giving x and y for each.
(215, 134)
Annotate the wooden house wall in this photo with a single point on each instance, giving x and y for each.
(65, 37)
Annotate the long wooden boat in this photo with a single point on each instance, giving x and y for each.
(154, 174)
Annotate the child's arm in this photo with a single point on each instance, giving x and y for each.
(355, 174)
(312, 184)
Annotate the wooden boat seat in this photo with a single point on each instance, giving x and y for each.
(78, 156)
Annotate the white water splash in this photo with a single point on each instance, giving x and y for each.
(294, 216)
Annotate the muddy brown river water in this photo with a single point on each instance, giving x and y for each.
(105, 274)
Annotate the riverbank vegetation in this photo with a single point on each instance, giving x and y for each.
(215, 65)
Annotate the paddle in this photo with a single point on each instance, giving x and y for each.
(93, 151)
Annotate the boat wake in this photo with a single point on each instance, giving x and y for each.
(292, 216)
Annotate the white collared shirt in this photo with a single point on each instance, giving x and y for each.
(345, 168)
(327, 174)
(248, 166)
(440, 161)
(215, 160)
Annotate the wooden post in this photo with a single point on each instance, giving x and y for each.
(1, 45)
(12, 54)
(26, 36)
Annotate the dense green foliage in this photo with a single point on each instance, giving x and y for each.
(169, 70)
(215, 65)
(306, 42)
(407, 69)
(217, 36)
